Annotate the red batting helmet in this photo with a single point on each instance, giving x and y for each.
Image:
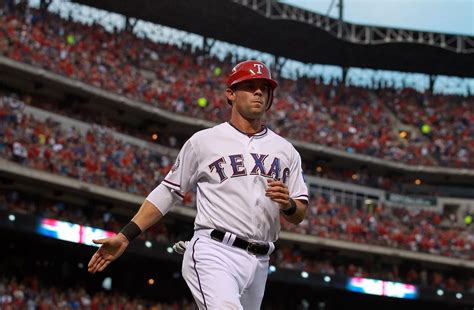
(249, 70)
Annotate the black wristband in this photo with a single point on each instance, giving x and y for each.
(291, 210)
(131, 231)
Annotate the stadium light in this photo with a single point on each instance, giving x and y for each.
(11, 217)
(403, 134)
(148, 244)
(107, 283)
(305, 304)
(304, 274)
(426, 129)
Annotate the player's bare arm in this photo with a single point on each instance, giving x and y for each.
(112, 248)
(278, 192)
(147, 216)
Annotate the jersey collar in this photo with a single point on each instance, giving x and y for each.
(261, 133)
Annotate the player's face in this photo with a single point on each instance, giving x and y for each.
(250, 98)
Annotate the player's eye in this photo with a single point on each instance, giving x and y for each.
(253, 86)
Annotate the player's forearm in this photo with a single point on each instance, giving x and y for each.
(298, 216)
(147, 215)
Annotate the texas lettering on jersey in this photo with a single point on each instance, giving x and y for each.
(228, 171)
(240, 167)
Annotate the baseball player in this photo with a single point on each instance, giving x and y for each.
(246, 177)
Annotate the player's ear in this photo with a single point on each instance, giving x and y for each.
(230, 94)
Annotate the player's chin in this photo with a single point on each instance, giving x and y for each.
(256, 112)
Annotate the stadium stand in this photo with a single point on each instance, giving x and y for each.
(45, 145)
(287, 257)
(345, 117)
(15, 103)
(400, 125)
(30, 293)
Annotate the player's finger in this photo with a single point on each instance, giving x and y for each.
(99, 259)
(93, 267)
(282, 198)
(104, 266)
(99, 241)
(97, 266)
(90, 268)
(274, 182)
(282, 194)
(93, 259)
(277, 189)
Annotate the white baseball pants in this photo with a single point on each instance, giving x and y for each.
(221, 276)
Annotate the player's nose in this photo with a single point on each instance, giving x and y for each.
(259, 90)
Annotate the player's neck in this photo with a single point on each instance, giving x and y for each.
(247, 126)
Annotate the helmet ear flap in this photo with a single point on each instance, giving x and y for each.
(270, 99)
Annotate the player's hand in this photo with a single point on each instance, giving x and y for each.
(110, 250)
(278, 192)
(180, 247)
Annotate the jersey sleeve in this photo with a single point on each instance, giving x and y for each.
(183, 175)
(296, 184)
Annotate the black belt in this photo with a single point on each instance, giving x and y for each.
(251, 247)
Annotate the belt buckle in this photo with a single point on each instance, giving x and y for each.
(214, 237)
(253, 248)
(250, 248)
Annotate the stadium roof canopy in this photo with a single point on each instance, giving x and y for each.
(294, 33)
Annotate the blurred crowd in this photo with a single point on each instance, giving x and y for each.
(446, 121)
(356, 120)
(288, 257)
(12, 110)
(92, 216)
(30, 293)
(409, 228)
(327, 263)
(77, 111)
(96, 157)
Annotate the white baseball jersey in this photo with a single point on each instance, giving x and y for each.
(230, 170)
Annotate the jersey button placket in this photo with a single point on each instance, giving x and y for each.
(253, 190)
